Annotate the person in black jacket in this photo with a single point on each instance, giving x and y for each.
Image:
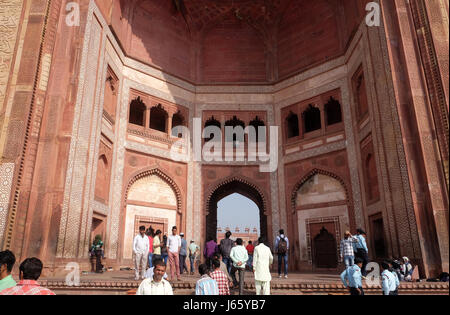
(225, 248)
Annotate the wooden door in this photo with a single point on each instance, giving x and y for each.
(325, 250)
(377, 236)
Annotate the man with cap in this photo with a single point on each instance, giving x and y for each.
(361, 249)
(183, 254)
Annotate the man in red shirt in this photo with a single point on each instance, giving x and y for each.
(220, 277)
(29, 272)
(250, 249)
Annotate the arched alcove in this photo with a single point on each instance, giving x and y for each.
(137, 112)
(320, 204)
(177, 120)
(311, 119)
(333, 112)
(292, 126)
(152, 199)
(158, 118)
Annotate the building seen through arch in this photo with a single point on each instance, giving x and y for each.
(242, 215)
(87, 116)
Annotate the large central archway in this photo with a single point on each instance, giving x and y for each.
(229, 187)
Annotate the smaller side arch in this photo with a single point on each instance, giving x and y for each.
(310, 174)
(155, 171)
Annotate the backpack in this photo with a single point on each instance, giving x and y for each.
(282, 246)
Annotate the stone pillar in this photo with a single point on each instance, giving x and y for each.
(147, 117)
(426, 178)
(169, 124)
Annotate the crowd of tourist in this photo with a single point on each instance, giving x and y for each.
(225, 263)
(218, 274)
(153, 252)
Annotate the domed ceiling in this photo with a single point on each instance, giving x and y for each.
(233, 41)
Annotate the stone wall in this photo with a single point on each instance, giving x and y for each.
(77, 106)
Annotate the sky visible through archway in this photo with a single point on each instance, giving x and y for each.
(237, 211)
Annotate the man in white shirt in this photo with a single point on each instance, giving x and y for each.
(141, 247)
(156, 285)
(262, 259)
(173, 248)
(239, 256)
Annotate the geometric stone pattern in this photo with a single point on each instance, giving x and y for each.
(6, 177)
(73, 205)
(334, 220)
(400, 211)
(10, 11)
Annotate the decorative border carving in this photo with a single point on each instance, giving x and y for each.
(337, 227)
(139, 218)
(74, 215)
(6, 178)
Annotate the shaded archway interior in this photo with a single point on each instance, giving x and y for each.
(227, 190)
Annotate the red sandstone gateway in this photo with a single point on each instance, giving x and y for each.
(87, 114)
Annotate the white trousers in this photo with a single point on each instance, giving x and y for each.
(262, 287)
(140, 262)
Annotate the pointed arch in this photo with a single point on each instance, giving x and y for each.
(312, 173)
(226, 187)
(163, 175)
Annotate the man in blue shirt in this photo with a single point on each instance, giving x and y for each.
(361, 249)
(183, 254)
(206, 285)
(352, 278)
(388, 282)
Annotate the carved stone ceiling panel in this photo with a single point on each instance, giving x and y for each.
(201, 14)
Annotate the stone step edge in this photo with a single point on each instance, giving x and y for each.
(275, 286)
